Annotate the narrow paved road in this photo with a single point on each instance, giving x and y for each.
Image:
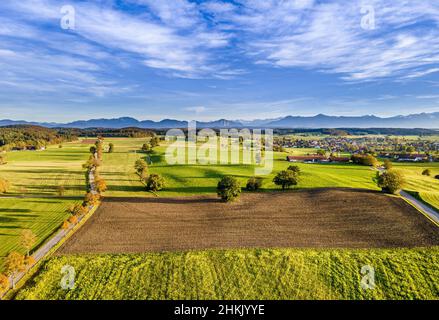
(433, 214)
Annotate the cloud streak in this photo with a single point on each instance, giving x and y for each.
(328, 36)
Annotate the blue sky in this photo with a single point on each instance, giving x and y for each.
(241, 59)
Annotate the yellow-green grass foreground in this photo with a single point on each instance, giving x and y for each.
(242, 274)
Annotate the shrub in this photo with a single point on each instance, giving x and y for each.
(388, 165)
(4, 283)
(28, 239)
(365, 160)
(295, 169)
(426, 172)
(147, 148)
(91, 199)
(100, 185)
(99, 148)
(286, 179)
(391, 181)
(155, 142)
(141, 168)
(155, 182)
(73, 220)
(65, 225)
(254, 184)
(4, 186)
(29, 261)
(410, 149)
(228, 189)
(91, 163)
(14, 263)
(77, 210)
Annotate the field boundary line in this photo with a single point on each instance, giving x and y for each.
(26, 275)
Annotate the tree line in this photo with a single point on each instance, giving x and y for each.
(22, 137)
(153, 182)
(108, 133)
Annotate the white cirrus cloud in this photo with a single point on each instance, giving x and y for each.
(204, 39)
(172, 43)
(199, 109)
(327, 36)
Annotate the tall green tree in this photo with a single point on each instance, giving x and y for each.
(228, 189)
(286, 179)
(391, 181)
(154, 182)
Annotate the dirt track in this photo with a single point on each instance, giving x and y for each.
(330, 218)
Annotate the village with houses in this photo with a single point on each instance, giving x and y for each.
(341, 149)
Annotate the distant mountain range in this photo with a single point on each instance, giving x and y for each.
(421, 120)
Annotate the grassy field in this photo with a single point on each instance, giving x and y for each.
(426, 186)
(200, 179)
(32, 201)
(276, 274)
(41, 215)
(41, 172)
(242, 274)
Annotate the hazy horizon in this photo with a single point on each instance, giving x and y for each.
(212, 119)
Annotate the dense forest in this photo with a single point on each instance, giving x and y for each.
(108, 133)
(27, 137)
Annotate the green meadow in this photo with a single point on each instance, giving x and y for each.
(186, 179)
(33, 201)
(426, 186)
(39, 173)
(242, 274)
(41, 215)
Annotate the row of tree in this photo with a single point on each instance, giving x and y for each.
(94, 189)
(229, 188)
(153, 182)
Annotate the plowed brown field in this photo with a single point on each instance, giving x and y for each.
(325, 218)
